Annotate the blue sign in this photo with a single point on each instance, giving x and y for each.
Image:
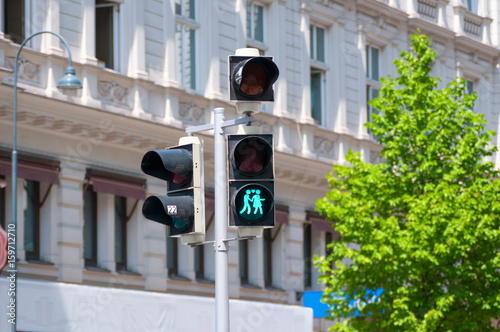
(312, 299)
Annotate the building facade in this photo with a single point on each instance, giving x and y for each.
(150, 69)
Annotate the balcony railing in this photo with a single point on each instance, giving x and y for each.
(472, 25)
(428, 9)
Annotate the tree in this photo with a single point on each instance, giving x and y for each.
(422, 228)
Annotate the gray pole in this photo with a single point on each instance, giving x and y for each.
(221, 246)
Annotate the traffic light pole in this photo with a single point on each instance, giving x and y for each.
(221, 218)
(221, 214)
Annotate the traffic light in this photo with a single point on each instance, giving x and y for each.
(182, 208)
(251, 79)
(251, 180)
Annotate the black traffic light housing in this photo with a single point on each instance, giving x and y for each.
(251, 180)
(183, 206)
(251, 78)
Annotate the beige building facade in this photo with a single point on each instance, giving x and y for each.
(150, 69)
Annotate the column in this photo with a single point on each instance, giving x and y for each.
(294, 260)
(70, 221)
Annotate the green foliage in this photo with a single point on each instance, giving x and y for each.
(424, 225)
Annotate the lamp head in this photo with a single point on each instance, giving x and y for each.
(69, 81)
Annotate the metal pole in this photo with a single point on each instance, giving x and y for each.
(13, 265)
(221, 246)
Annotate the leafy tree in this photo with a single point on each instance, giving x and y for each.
(423, 226)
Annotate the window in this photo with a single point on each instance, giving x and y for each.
(90, 227)
(469, 87)
(307, 256)
(317, 35)
(268, 257)
(14, 20)
(185, 39)
(172, 254)
(372, 78)
(199, 262)
(255, 22)
(371, 93)
(243, 262)
(317, 95)
(372, 63)
(472, 6)
(329, 239)
(106, 33)
(121, 233)
(317, 54)
(31, 199)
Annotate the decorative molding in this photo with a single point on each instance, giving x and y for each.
(307, 180)
(323, 145)
(375, 157)
(265, 128)
(191, 112)
(89, 132)
(113, 92)
(27, 71)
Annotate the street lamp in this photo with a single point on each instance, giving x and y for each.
(68, 82)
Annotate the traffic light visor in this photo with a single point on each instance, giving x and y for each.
(172, 165)
(252, 155)
(173, 211)
(254, 76)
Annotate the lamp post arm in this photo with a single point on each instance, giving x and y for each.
(14, 164)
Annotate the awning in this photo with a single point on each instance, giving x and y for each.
(30, 171)
(117, 184)
(318, 222)
(282, 214)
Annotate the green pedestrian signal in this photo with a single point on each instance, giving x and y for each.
(253, 202)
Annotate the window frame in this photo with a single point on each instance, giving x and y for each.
(314, 43)
(472, 6)
(307, 255)
(33, 255)
(469, 89)
(370, 90)
(267, 259)
(318, 66)
(115, 44)
(92, 261)
(372, 83)
(243, 262)
(121, 220)
(199, 262)
(172, 246)
(25, 13)
(187, 27)
(318, 115)
(469, 86)
(252, 41)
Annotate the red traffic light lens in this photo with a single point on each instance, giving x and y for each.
(177, 179)
(252, 155)
(253, 79)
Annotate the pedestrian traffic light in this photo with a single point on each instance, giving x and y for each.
(182, 208)
(251, 180)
